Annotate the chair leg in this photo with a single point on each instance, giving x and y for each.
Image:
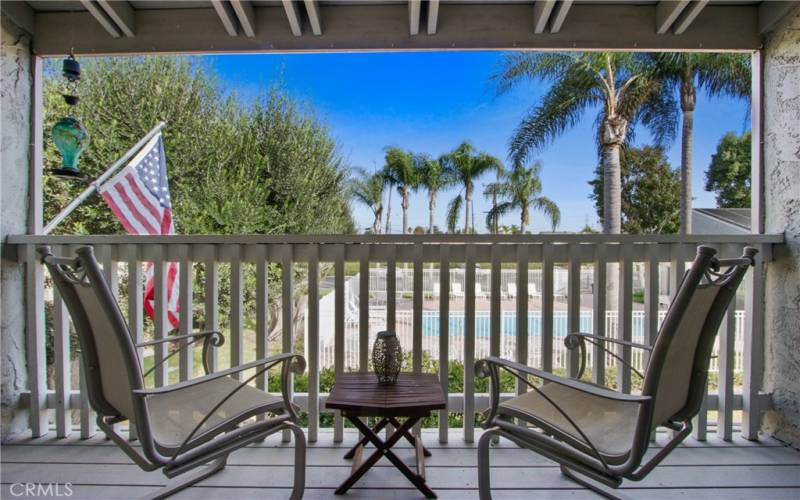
(299, 461)
(484, 472)
(587, 483)
(169, 490)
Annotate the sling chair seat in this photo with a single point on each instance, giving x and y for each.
(606, 422)
(175, 414)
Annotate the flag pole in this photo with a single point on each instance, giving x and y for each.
(100, 180)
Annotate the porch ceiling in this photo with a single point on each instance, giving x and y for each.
(118, 27)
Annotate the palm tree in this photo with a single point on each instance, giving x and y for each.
(492, 190)
(520, 190)
(367, 188)
(466, 165)
(717, 74)
(433, 177)
(618, 83)
(401, 173)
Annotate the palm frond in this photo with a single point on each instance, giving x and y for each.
(453, 212)
(561, 108)
(517, 67)
(725, 75)
(494, 214)
(550, 209)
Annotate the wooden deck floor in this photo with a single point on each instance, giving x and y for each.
(707, 470)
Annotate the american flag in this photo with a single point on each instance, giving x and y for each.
(139, 197)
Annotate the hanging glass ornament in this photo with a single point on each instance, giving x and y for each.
(69, 134)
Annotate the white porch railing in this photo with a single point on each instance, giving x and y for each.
(508, 336)
(531, 339)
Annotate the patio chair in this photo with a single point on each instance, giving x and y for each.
(599, 436)
(180, 426)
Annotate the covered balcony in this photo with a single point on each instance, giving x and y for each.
(453, 299)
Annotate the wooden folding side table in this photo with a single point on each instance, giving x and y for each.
(414, 396)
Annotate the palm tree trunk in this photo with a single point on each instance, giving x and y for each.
(523, 219)
(495, 219)
(467, 208)
(472, 214)
(389, 213)
(376, 224)
(431, 209)
(686, 173)
(612, 189)
(405, 210)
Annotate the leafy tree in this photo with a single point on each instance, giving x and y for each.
(520, 190)
(367, 188)
(618, 84)
(267, 167)
(466, 165)
(729, 172)
(719, 75)
(401, 173)
(432, 176)
(650, 192)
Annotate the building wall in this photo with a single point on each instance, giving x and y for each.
(782, 200)
(15, 103)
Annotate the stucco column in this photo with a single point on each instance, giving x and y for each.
(781, 152)
(15, 94)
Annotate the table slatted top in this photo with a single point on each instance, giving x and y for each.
(360, 394)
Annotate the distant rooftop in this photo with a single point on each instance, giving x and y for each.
(738, 217)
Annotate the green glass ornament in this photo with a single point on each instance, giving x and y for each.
(71, 138)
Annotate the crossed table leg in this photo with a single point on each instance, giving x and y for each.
(383, 448)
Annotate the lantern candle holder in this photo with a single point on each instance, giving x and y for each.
(387, 357)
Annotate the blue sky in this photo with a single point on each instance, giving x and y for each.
(431, 101)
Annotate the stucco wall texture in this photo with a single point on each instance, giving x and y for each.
(782, 208)
(15, 103)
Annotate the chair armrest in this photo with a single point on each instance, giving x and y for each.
(174, 338)
(606, 339)
(211, 338)
(578, 340)
(483, 369)
(297, 366)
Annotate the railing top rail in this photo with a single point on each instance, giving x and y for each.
(393, 239)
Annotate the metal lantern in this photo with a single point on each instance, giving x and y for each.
(387, 357)
(69, 134)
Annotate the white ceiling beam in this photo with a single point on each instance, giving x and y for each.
(247, 18)
(557, 18)
(414, 8)
(667, 12)
(227, 16)
(102, 18)
(312, 8)
(292, 9)
(122, 14)
(541, 14)
(350, 27)
(433, 16)
(688, 16)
